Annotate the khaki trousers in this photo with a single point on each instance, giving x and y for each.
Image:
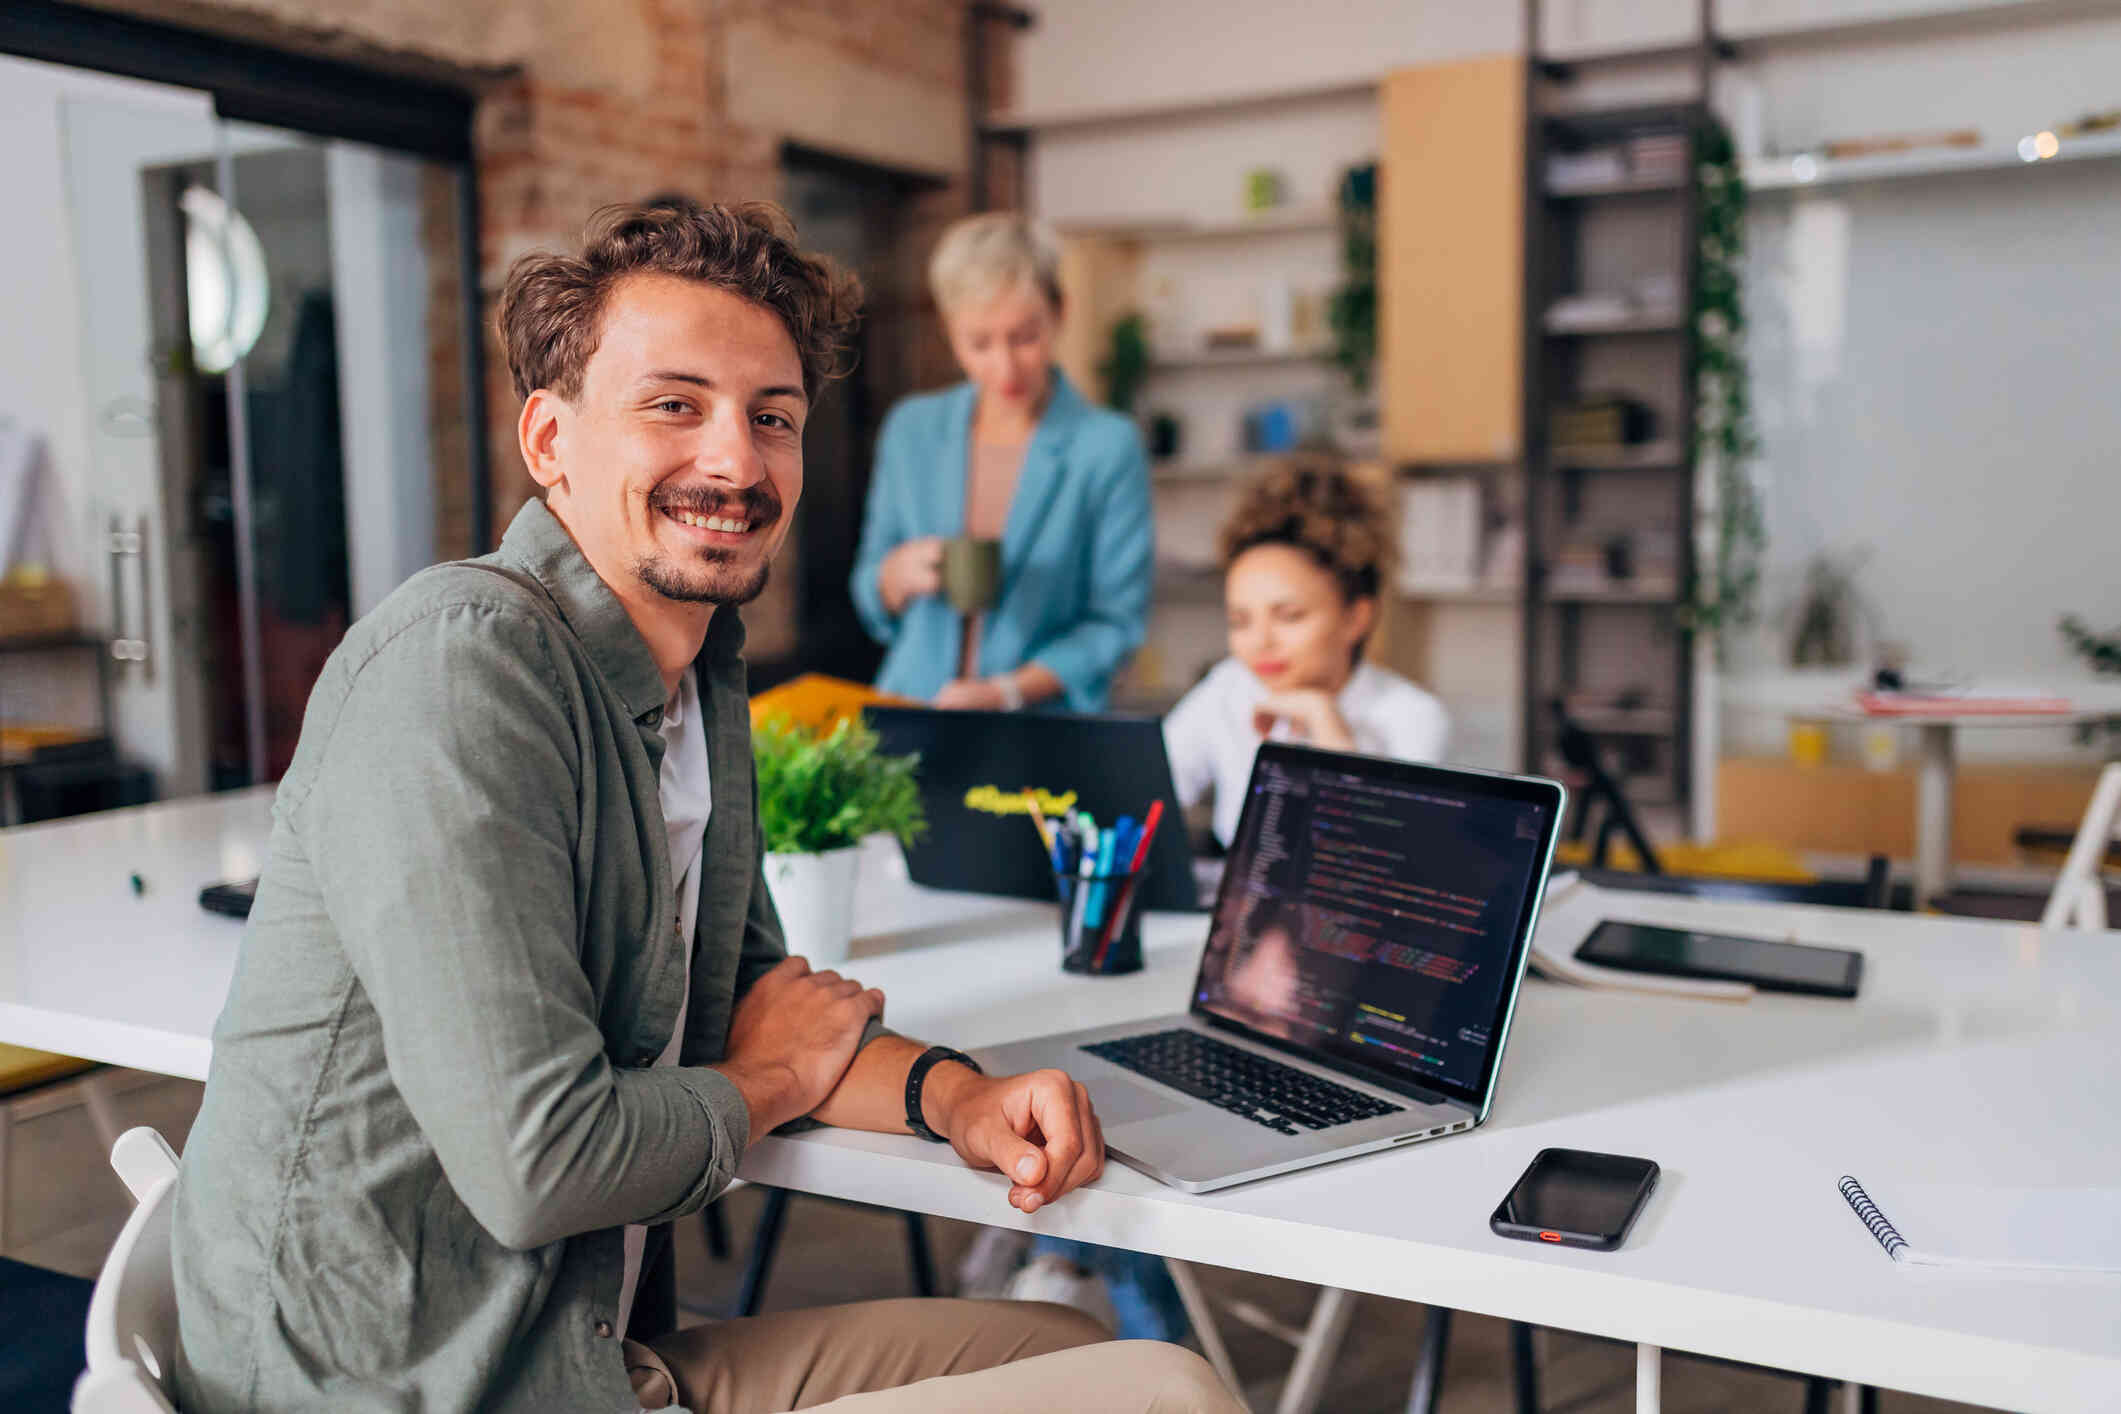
(922, 1357)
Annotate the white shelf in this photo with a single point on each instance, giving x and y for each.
(1273, 221)
(1660, 323)
(1930, 22)
(1053, 119)
(1645, 721)
(1478, 594)
(1631, 186)
(1667, 593)
(1806, 170)
(1635, 456)
(1184, 473)
(1234, 358)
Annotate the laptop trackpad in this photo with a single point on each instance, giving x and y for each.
(1123, 1102)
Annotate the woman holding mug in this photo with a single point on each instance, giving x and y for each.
(1007, 550)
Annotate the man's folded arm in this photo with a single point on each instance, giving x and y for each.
(442, 827)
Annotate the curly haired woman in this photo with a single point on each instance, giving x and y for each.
(1303, 553)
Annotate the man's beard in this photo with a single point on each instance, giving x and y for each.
(712, 576)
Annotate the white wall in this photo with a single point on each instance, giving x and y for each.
(1091, 54)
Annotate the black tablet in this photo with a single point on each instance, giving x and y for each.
(1768, 964)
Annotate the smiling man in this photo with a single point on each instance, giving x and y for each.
(513, 996)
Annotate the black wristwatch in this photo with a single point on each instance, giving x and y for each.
(918, 1077)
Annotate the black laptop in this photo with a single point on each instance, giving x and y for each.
(975, 767)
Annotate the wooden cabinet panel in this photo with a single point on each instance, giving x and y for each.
(1841, 808)
(1451, 260)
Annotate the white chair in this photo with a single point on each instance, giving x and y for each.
(2079, 899)
(132, 1318)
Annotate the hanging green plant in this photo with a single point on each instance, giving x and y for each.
(1352, 313)
(1726, 592)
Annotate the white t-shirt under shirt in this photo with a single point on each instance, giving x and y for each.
(688, 798)
(1211, 738)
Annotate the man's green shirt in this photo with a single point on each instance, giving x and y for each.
(431, 1108)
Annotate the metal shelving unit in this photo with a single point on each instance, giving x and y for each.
(1576, 633)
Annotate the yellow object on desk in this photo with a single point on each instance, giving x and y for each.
(1808, 741)
(820, 702)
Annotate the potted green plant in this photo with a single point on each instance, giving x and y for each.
(1126, 365)
(819, 798)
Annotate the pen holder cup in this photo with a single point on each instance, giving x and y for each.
(1101, 922)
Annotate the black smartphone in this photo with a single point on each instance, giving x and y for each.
(233, 899)
(1577, 1198)
(1769, 965)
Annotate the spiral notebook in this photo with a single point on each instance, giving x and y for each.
(1973, 1227)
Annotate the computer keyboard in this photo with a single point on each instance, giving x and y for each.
(1281, 1097)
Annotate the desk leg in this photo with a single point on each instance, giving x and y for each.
(1202, 1315)
(1933, 815)
(1649, 1379)
(1314, 1358)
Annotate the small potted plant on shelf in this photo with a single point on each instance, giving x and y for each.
(820, 796)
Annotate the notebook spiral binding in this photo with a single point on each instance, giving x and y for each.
(1881, 1227)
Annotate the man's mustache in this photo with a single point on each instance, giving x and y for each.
(757, 505)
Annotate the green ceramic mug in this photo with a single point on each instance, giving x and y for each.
(972, 573)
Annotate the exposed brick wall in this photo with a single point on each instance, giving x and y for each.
(587, 103)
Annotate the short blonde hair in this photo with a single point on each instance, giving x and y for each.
(983, 256)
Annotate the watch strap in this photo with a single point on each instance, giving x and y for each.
(917, 1077)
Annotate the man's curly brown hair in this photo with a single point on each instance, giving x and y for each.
(551, 314)
(1321, 508)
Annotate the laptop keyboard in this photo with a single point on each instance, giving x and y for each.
(1281, 1097)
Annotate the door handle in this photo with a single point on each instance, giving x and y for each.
(122, 544)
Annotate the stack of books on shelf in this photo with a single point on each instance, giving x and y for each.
(1657, 157)
(1439, 536)
(1605, 421)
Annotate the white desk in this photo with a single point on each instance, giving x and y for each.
(1831, 697)
(1978, 1048)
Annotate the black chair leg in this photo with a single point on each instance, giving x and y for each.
(1878, 883)
(1526, 1364)
(1818, 1394)
(918, 1256)
(1867, 1399)
(765, 1240)
(717, 1227)
(1428, 1375)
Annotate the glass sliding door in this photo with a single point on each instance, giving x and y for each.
(272, 424)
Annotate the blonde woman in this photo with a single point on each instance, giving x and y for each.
(1015, 454)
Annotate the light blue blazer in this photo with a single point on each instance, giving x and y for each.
(1078, 547)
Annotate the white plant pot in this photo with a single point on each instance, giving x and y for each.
(814, 894)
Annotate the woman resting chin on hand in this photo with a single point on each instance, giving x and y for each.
(1304, 554)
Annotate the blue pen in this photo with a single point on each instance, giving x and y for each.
(1098, 891)
(1086, 867)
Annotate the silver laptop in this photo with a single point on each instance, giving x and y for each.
(1361, 970)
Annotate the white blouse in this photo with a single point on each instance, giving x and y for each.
(1211, 740)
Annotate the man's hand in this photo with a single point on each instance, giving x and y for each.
(1038, 1128)
(792, 1038)
(913, 568)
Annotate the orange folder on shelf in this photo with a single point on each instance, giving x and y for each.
(819, 702)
